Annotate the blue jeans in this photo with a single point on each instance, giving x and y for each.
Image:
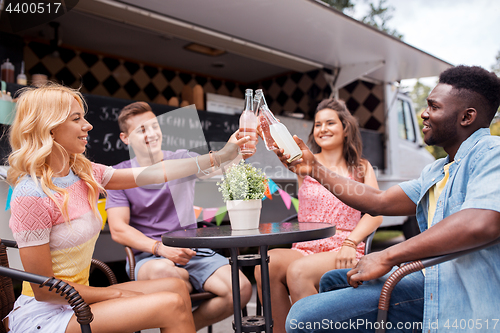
(340, 308)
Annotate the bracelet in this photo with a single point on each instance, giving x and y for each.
(215, 159)
(156, 245)
(349, 244)
(350, 240)
(211, 159)
(199, 169)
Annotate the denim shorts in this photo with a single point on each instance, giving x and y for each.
(200, 267)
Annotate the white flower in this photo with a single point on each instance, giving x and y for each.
(243, 182)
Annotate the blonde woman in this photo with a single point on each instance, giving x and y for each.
(295, 273)
(55, 220)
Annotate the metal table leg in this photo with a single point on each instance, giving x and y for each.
(235, 281)
(266, 289)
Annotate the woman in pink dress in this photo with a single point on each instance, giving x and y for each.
(295, 273)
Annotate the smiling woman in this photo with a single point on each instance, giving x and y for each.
(50, 175)
(295, 273)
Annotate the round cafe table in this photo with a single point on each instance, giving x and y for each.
(274, 233)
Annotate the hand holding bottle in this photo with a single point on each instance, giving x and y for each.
(302, 166)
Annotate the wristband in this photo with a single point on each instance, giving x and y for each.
(211, 158)
(156, 245)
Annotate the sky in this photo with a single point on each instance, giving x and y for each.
(456, 31)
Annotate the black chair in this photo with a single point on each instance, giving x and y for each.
(414, 266)
(82, 310)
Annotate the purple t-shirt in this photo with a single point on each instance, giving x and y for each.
(158, 209)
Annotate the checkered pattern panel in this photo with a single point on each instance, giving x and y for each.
(366, 102)
(115, 77)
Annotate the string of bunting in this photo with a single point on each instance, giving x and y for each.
(218, 213)
(208, 214)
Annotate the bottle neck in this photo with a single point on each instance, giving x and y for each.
(264, 110)
(248, 103)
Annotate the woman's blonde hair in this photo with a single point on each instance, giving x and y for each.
(38, 112)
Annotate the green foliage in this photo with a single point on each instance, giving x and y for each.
(243, 182)
(419, 95)
(341, 5)
(379, 16)
(496, 67)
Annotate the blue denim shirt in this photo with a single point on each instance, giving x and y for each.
(462, 295)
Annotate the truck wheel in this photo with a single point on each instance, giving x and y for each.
(410, 227)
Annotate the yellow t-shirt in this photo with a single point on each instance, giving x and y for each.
(434, 193)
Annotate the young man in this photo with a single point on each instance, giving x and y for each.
(138, 217)
(457, 204)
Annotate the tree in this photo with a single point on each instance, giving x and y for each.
(419, 95)
(496, 67)
(379, 16)
(341, 5)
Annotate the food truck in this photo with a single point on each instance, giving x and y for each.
(206, 53)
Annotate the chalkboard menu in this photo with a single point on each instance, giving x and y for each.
(183, 128)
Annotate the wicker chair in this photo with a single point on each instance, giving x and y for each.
(7, 297)
(394, 278)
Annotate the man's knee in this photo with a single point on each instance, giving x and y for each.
(334, 279)
(157, 269)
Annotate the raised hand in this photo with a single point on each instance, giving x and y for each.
(304, 165)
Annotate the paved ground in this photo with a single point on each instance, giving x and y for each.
(225, 326)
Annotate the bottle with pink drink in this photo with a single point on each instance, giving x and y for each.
(248, 124)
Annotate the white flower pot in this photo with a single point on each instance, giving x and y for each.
(244, 214)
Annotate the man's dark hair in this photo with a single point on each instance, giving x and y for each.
(129, 111)
(476, 86)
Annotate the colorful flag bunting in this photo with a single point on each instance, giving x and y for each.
(197, 211)
(221, 213)
(209, 214)
(287, 199)
(295, 203)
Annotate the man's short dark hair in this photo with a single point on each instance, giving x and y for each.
(132, 110)
(477, 86)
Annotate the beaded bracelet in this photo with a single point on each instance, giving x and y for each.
(156, 245)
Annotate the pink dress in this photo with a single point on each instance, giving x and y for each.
(317, 204)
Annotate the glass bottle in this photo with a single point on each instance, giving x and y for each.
(21, 77)
(264, 123)
(8, 71)
(277, 132)
(248, 124)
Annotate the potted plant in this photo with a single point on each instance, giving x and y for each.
(243, 188)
